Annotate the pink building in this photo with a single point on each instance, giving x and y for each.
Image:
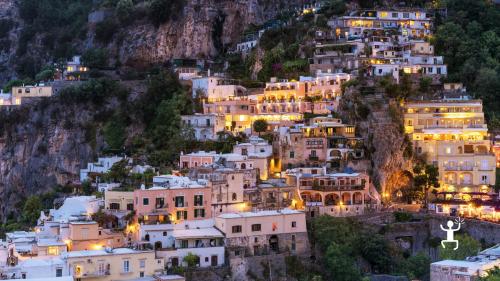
(183, 199)
(197, 159)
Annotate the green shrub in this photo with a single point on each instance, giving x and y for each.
(95, 58)
(402, 216)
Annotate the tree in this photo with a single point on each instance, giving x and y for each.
(493, 275)
(95, 58)
(376, 250)
(426, 177)
(340, 264)
(191, 260)
(468, 246)
(31, 210)
(260, 126)
(415, 267)
(114, 132)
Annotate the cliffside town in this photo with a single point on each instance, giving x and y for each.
(248, 140)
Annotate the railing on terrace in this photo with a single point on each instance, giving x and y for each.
(338, 187)
(458, 168)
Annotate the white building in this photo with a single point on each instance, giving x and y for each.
(36, 267)
(199, 238)
(216, 88)
(75, 208)
(466, 270)
(103, 165)
(205, 126)
(103, 186)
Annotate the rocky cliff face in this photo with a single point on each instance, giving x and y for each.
(8, 43)
(44, 144)
(383, 136)
(204, 28)
(204, 25)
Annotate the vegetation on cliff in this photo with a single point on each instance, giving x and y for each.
(469, 39)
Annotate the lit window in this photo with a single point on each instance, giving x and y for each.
(53, 251)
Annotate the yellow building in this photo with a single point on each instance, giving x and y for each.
(31, 91)
(87, 235)
(113, 264)
(119, 200)
(453, 135)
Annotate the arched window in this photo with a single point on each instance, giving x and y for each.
(243, 166)
(146, 237)
(234, 196)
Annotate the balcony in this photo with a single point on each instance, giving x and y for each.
(458, 168)
(338, 187)
(313, 158)
(95, 274)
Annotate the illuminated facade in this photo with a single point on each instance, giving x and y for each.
(112, 264)
(454, 136)
(335, 194)
(411, 23)
(178, 198)
(325, 139)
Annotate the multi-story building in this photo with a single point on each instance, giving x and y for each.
(113, 264)
(75, 70)
(87, 235)
(205, 126)
(199, 238)
(228, 181)
(119, 200)
(334, 57)
(259, 151)
(175, 199)
(454, 136)
(325, 139)
(411, 23)
(335, 194)
(264, 232)
(272, 194)
(214, 88)
(240, 114)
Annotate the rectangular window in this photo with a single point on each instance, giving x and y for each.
(199, 213)
(182, 215)
(198, 200)
(53, 251)
(126, 266)
(145, 201)
(179, 201)
(292, 154)
(294, 224)
(256, 227)
(236, 229)
(160, 202)
(184, 244)
(58, 272)
(142, 263)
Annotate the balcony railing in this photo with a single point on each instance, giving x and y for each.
(95, 274)
(338, 187)
(313, 158)
(458, 168)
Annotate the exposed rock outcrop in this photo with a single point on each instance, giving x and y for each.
(383, 136)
